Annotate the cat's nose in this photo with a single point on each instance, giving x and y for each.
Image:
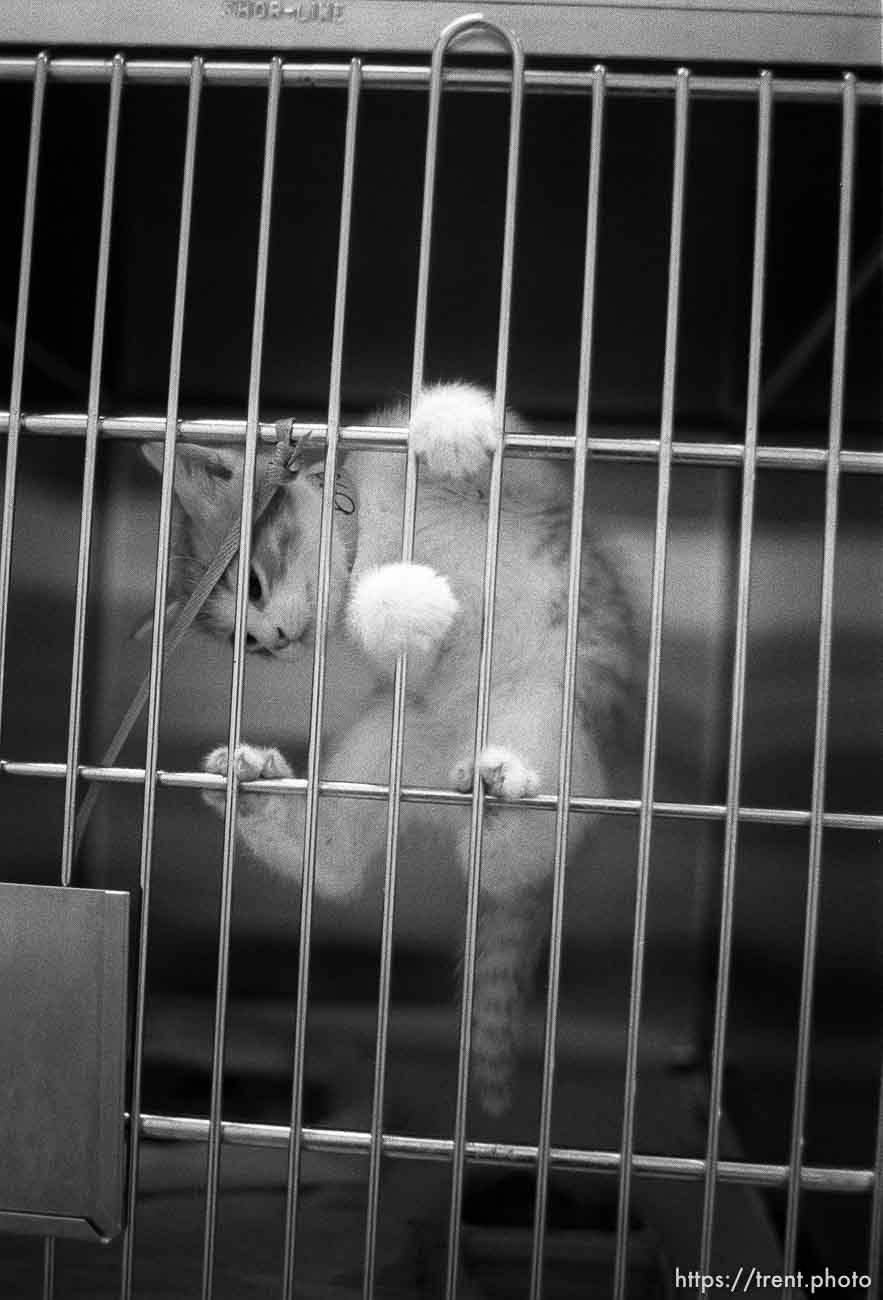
(282, 640)
(263, 645)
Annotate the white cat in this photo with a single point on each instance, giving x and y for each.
(433, 608)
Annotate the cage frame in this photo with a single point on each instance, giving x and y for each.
(278, 74)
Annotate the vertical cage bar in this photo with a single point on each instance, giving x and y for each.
(38, 99)
(87, 498)
(875, 1254)
(48, 1268)
(397, 743)
(397, 734)
(91, 455)
(458, 1159)
(651, 719)
(740, 652)
(826, 620)
(429, 177)
(238, 676)
(323, 588)
(156, 664)
(396, 750)
(569, 688)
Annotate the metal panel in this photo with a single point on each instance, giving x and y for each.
(63, 969)
(808, 31)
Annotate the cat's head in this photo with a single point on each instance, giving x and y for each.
(281, 613)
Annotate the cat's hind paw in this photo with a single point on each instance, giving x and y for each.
(250, 763)
(502, 772)
(453, 430)
(401, 607)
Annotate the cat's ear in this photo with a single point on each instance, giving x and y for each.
(200, 472)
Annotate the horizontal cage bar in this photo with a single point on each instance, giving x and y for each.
(511, 1155)
(416, 76)
(291, 786)
(140, 428)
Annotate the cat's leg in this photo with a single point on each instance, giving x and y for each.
(352, 835)
(398, 607)
(352, 830)
(454, 432)
(519, 761)
(271, 825)
(349, 832)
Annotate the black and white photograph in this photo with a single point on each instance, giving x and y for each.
(441, 649)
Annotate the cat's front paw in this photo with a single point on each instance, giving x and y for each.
(250, 763)
(502, 773)
(453, 430)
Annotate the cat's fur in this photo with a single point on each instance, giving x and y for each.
(379, 608)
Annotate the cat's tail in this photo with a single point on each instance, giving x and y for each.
(510, 935)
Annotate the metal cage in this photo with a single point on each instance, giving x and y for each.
(672, 266)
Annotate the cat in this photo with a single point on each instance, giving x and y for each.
(433, 607)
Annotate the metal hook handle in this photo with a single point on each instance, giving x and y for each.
(472, 24)
(469, 24)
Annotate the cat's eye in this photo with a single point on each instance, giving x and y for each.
(255, 586)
